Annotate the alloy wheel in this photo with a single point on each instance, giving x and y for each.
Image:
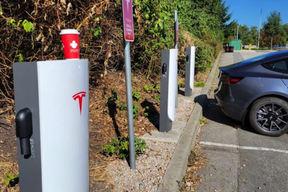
(272, 117)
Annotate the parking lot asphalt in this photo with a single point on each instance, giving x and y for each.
(238, 159)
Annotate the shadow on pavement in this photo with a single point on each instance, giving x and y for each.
(152, 113)
(181, 92)
(213, 113)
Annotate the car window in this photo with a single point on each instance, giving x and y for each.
(280, 66)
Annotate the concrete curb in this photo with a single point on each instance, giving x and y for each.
(177, 166)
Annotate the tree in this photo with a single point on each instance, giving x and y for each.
(243, 34)
(282, 37)
(253, 35)
(230, 31)
(285, 29)
(272, 28)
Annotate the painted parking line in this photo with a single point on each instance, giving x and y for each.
(242, 147)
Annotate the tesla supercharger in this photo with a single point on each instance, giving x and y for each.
(168, 89)
(189, 70)
(52, 121)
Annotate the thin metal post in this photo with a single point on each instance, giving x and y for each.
(259, 28)
(175, 20)
(176, 46)
(129, 105)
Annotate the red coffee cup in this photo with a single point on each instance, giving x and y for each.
(70, 41)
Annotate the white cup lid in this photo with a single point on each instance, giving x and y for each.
(69, 31)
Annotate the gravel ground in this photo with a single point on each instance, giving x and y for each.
(183, 112)
(150, 169)
(151, 166)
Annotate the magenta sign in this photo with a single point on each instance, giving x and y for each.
(128, 20)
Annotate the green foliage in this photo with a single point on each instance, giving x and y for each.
(11, 21)
(1, 11)
(156, 97)
(122, 106)
(273, 25)
(157, 87)
(27, 25)
(244, 34)
(10, 178)
(272, 28)
(146, 111)
(148, 88)
(203, 121)
(199, 84)
(135, 110)
(97, 29)
(21, 58)
(205, 20)
(136, 94)
(120, 147)
(204, 56)
(230, 31)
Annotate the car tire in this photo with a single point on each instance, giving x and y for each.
(269, 116)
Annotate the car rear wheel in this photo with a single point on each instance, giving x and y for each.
(269, 116)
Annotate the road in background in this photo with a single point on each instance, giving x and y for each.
(238, 159)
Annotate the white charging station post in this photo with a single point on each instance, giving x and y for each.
(129, 36)
(189, 70)
(52, 125)
(168, 88)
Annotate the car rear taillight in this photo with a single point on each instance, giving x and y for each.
(233, 80)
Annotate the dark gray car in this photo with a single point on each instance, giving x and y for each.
(256, 90)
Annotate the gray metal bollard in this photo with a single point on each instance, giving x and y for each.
(168, 89)
(189, 70)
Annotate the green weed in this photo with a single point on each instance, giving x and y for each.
(156, 97)
(120, 147)
(203, 121)
(199, 84)
(10, 178)
(136, 94)
(135, 110)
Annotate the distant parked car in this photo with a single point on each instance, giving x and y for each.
(281, 47)
(257, 90)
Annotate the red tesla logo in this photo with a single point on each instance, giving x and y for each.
(79, 96)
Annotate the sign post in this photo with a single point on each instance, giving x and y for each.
(176, 37)
(176, 30)
(129, 36)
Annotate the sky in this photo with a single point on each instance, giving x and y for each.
(248, 11)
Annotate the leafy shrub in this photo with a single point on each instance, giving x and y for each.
(148, 88)
(120, 147)
(156, 97)
(199, 84)
(135, 110)
(136, 95)
(122, 106)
